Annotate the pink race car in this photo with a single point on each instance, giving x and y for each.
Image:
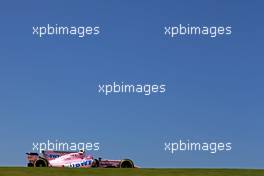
(73, 159)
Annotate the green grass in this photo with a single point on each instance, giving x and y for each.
(23, 171)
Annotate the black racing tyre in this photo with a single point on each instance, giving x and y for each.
(41, 163)
(126, 163)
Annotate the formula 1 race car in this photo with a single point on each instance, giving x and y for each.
(73, 159)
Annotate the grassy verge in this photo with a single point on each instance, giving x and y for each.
(23, 171)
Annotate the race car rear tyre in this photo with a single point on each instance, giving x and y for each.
(41, 163)
(126, 163)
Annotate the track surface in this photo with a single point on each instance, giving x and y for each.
(23, 171)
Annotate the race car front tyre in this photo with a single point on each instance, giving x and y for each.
(41, 163)
(126, 163)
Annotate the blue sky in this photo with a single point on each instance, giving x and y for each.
(48, 86)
